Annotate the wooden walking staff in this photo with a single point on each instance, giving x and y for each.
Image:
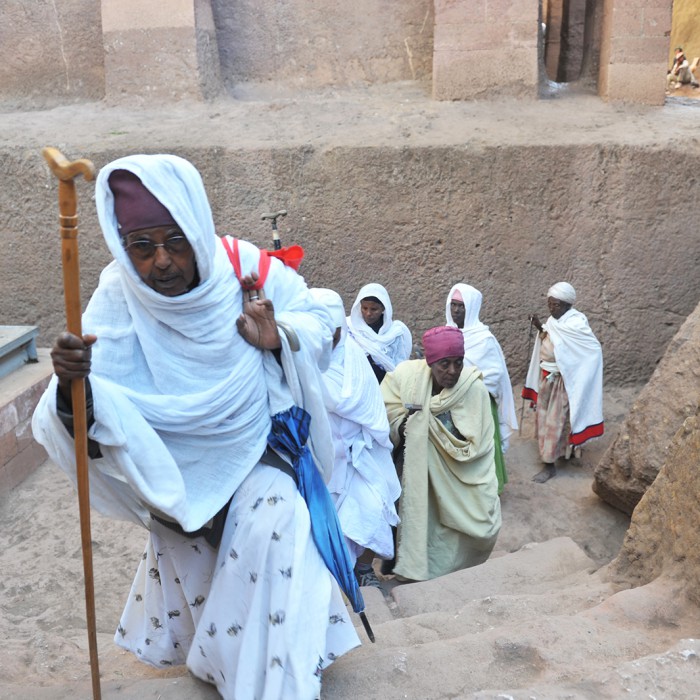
(66, 172)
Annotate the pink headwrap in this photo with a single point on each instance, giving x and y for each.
(457, 296)
(442, 342)
(134, 206)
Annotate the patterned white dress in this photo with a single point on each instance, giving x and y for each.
(260, 618)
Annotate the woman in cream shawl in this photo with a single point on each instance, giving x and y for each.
(440, 417)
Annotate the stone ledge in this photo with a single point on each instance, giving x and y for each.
(20, 391)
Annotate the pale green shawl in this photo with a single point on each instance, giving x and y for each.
(449, 508)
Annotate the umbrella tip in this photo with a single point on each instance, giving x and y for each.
(366, 625)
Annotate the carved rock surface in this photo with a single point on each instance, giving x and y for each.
(641, 447)
(664, 535)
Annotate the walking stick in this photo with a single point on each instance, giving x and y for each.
(529, 350)
(276, 242)
(66, 171)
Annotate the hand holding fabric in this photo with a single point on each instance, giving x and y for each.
(257, 322)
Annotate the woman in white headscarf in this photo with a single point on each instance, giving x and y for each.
(564, 380)
(386, 342)
(482, 350)
(364, 484)
(187, 370)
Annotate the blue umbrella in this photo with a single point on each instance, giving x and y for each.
(289, 434)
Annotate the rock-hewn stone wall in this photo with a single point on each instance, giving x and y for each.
(50, 53)
(297, 44)
(511, 220)
(664, 535)
(640, 449)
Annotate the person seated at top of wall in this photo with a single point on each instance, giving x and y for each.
(482, 350)
(442, 428)
(386, 341)
(680, 72)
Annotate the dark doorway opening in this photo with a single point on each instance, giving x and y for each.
(569, 45)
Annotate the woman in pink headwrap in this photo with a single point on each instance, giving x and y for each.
(441, 424)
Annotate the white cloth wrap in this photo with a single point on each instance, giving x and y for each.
(482, 350)
(562, 291)
(393, 343)
(182, 401)
(364, 484)
(579, 358)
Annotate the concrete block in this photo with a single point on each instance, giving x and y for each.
(657, 21)
(640, 50)
(8, 446)
(636, 83)
(471, 37)
(460, 75)
(627, 22)
(21, 466)
(512, 11)
(459, 12)
(8, 418)
(124, 15)
(23, 434)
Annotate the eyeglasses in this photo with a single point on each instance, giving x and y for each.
(143, 249)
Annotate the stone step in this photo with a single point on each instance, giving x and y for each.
(20, 391)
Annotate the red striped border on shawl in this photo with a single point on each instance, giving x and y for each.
(592, 431)
(529, 394)
(235, 258)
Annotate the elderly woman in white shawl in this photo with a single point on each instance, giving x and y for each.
(364, 484)
(482, 350)
(386, 341)
(185, 371)
(564, 380)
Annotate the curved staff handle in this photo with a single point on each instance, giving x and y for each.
(273, 216)
(66, 171)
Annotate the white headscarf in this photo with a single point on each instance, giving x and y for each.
(364, 484)
(333, 303)
(182, 401)
(483, 350)
(393, 343)
(563, 291)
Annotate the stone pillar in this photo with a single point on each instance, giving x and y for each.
(485, 47)
(163, 50)
(634, 51)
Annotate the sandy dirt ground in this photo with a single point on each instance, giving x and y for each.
(42, 615)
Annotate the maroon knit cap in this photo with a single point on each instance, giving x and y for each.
(442, 342)
(134, 206)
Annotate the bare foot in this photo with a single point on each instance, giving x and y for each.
(546, 474)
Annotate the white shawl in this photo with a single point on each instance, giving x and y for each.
(580, 361)
(364, 484)
(393, 343)
(362, 445)
(182, 401)
(482, 350)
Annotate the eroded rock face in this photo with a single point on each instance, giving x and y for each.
(664, 535)
(640, 449)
